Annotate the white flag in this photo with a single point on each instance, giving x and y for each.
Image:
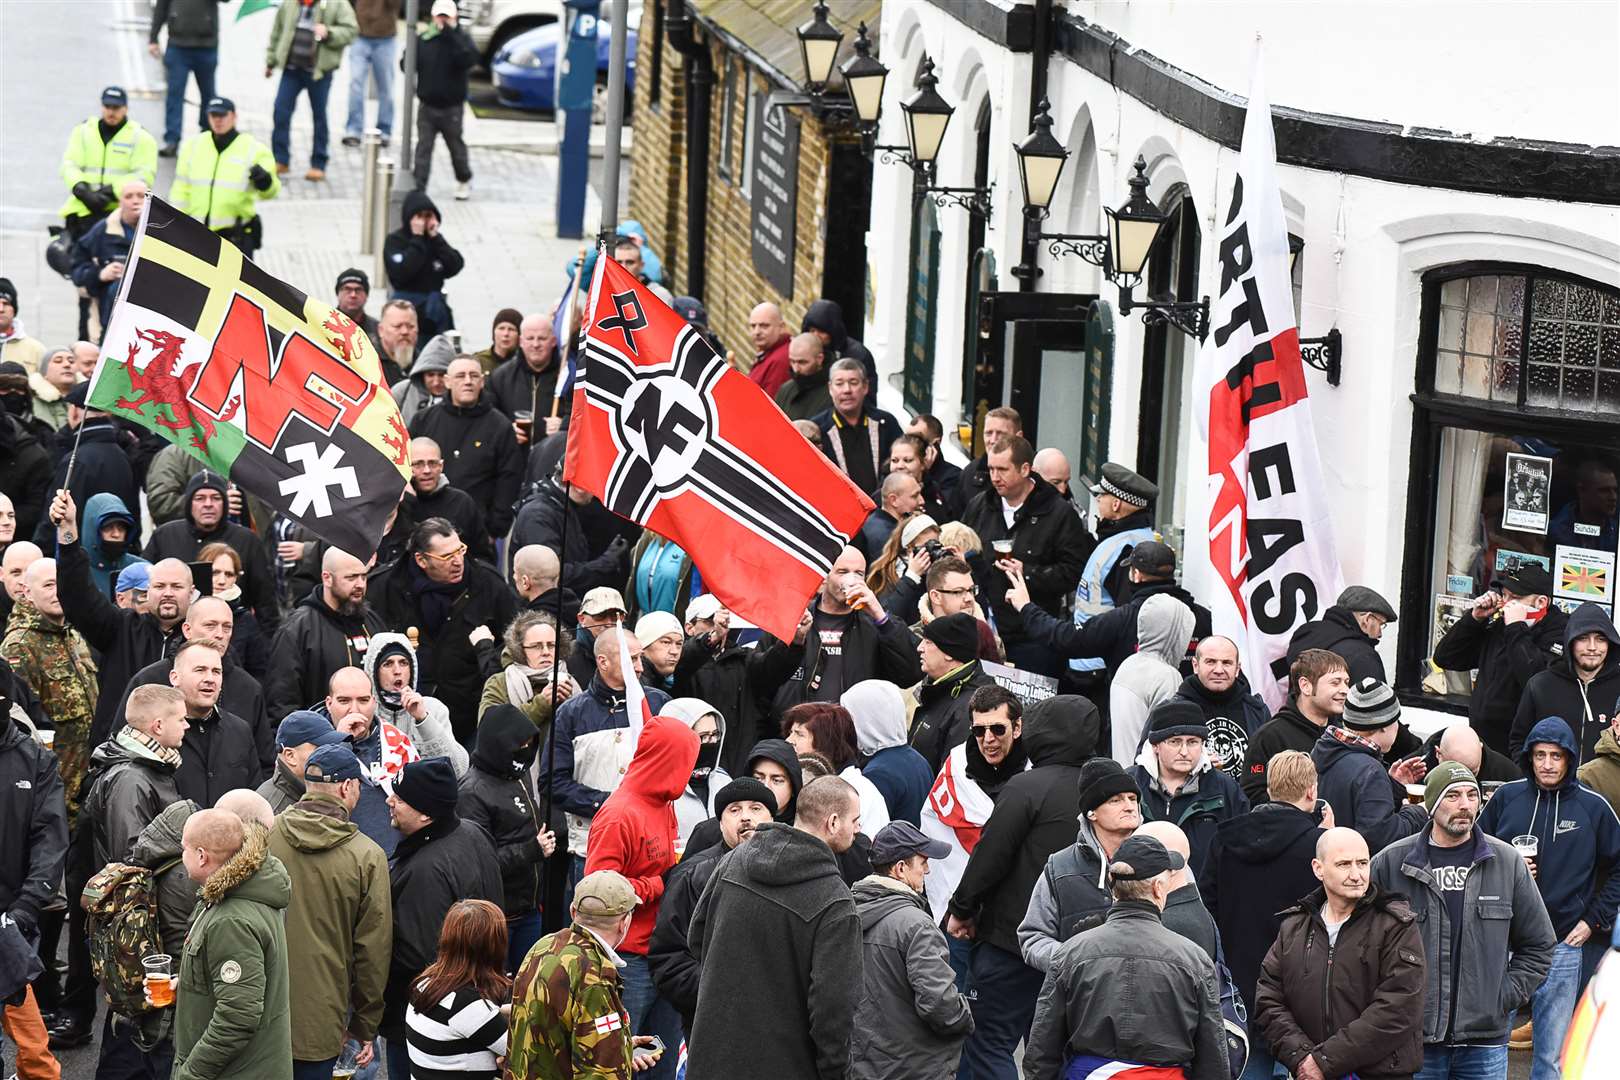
(1270, 535)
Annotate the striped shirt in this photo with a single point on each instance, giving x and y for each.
(459, 1037)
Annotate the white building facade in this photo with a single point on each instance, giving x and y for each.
(1453, 172)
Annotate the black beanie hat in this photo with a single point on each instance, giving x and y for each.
(1176, 716)
(744, 789)
(8, 292)
(356, 276)
(1102, 778)
(957, 636)
(507, 315)
(13, 377)
(429, 787)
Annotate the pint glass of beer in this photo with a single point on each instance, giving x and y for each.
(158, 968)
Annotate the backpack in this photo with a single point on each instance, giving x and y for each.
(120, 903)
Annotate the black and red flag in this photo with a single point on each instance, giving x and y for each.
(666, 434)
(279, 392)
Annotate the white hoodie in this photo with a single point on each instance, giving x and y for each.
(879, 712)
(1164, 626)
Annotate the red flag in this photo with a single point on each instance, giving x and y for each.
(666, 434)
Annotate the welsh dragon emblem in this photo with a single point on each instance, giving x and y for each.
(159, 385)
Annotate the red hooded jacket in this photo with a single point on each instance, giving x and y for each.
(634, 832)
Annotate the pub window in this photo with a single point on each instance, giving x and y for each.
(1515, 450)
(655, 89)
(728, 105)
(1167, 356)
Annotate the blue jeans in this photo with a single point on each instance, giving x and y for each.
(1003, 1009)
(399, 1060)
(576, 870)
(650, 1014)
(313, 1070)
(180, 61)
(521, 934)
(1261, 1065)
(1552, 1008)
(373, 58)
(960, 954)
(1442, 1062)
(295, 81)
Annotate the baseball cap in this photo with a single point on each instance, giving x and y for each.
(1152, 557)
(605, 892)
(601, 600)
(114, 95)
(307, 726)
(1144, 857)
(335, 763)
(134, 576)
(445, 7)
(706, 606)
(901, 840)
(1527, 580)
(219, 106)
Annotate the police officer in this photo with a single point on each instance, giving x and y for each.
(220, 175)
(102, 153)
(1124, 502)
(585, 1030)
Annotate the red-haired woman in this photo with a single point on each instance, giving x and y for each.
(458, 1011)
(820, 727)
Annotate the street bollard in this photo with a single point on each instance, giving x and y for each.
(379, 219)
(370, 149)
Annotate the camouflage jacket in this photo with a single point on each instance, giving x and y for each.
(568, 1020)
(55, 663)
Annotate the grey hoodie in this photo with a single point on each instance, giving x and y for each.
(1039, 935)
(1164, 625)
(432, 735)
(692, 807)
(409, 393)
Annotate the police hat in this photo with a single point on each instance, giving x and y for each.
(114, 95)
(219, 106)
(1125, 485)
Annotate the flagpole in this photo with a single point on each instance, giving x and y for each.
(556, 654)
(568, 346)
(618, 16)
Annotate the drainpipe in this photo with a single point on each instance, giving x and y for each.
(678, 31)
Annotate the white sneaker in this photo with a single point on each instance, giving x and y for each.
(464, 191)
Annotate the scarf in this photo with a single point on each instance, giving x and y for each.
(230, 595)
(838, 444)
(141, 744)
(433, 599)
(519, 690)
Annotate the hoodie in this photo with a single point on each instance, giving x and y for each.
(780, 896)
(1578, 833)
(497, 794)
(1164, 625)
(697, 801)
(1559, 691)
(1235, 715)
(828, 317)
(900, 774)
(419, 264)
(431, 735)
(1352, 778)
(411, 393)
(106, 559)
(635, 831)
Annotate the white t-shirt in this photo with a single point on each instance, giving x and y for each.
(1333, 928)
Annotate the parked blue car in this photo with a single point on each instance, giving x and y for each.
(525, 69)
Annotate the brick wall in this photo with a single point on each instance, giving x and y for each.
(658, 179)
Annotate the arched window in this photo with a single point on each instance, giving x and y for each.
(1515, 448)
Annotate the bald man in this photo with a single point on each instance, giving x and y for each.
(1461, 743)
(1184, 910)
(770, 337)
(248, 805)
(528, 382)
(210, 619)
(898, 497)
(535, 572)
(480, 452)
(328, 630)
(126, 640)
(55, 663)
(1374, 1025)
(19, 556)
(231, 1013)
(431, 494)
(1053, 467)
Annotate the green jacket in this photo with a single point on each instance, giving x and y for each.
(130, 154)
(339, 925)
(537, 708)
(568, 1019)
(55, 662)
(1601, 774)
(214, 187)
(231, 1013)
(341, 29)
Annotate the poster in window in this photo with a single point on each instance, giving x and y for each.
(1568, 606)
(1583, 574)
(1447, 610)
(1509, 563)
(1528, 488)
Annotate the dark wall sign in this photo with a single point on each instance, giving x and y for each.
(775, 194)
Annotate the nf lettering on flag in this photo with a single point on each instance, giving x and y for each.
(666, 434)
(1270, 537)
(279, 392)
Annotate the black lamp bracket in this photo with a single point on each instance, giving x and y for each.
(1325, 354)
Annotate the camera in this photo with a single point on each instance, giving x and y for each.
(936, 550)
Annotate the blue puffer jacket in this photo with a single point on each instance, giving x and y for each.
(104, 567)
(1579, 834)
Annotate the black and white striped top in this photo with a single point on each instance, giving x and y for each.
(459, 1037)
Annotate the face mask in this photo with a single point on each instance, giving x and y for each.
(16, 404)
(113, 549)
(708, 755)
(522, 758)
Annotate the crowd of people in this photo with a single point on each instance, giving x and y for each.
(275, 809)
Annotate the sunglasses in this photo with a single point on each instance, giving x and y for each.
(453, 553)
(981, 730)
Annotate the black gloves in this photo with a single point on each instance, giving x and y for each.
(109, 197)
(85, 194)
(261, 179)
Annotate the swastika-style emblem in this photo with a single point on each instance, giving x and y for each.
(628, 318)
